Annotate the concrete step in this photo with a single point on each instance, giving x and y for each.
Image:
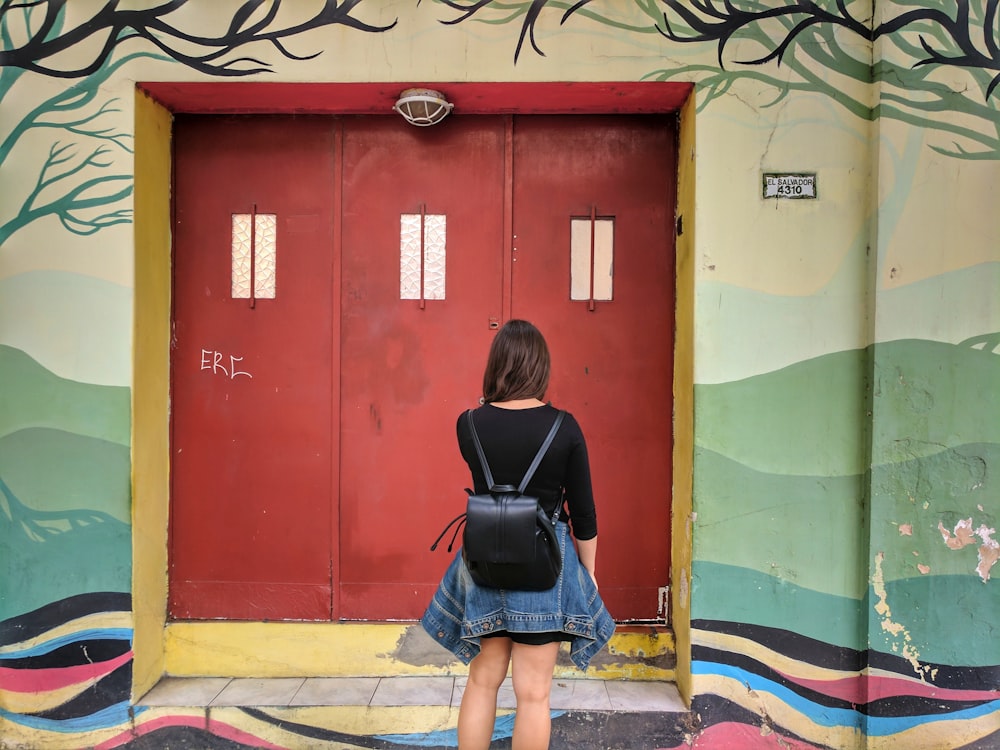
(567, 694)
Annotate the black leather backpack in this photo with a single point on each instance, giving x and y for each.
(509, 541)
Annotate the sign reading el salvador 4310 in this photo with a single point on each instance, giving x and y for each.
(797, 185)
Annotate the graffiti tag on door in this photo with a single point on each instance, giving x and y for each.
(213, 360)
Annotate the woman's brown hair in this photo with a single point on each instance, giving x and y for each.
(518, 364)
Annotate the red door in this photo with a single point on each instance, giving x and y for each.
(410, 366)
(612, 359)
(441, 234)
(252, 508)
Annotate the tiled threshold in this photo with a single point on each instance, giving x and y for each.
(567, 694)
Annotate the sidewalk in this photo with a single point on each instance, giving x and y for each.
(567, 694)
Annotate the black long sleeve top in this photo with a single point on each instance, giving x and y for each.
(510, 439)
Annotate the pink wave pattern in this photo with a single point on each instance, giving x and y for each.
(735, 736)
(218, 728)
(55, 678)
(850, 689)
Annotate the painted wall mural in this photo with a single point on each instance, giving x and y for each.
(812, 44)
(35, 39)
(844, 586)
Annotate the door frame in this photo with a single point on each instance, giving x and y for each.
(159, 648)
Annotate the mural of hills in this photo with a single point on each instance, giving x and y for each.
(91, 473)
(784, 488)
(811, 418)
(64, 486)
(78, 326)
(783, 445)
(32, 396)
(52, 555)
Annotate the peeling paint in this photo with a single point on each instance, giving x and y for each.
(963, 535)
(878, 584)
(416, 647)
(989, 552)
(909, 652)
(663, 602)
(906, 529)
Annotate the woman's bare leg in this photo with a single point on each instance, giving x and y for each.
(478, 711)
(532, 672)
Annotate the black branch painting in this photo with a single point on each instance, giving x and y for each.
(81, 182)
(808, 38)
(160, 26)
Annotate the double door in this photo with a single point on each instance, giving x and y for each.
(337, 284)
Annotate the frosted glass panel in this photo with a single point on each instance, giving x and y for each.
(241, 256)
(434, 256)
(265, 241)
(604, 258)
(264, 273)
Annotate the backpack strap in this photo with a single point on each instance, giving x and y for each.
(479, 451)
(535, 462)
(538, 459)
(541, 452)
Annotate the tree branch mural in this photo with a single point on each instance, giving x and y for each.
(78, 182)
(708, 23)
(60, 188)
(71, 204)
(254, 21)
(807, 39)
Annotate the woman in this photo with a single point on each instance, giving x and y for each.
(491, 629)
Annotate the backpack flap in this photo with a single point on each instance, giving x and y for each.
(500, 528)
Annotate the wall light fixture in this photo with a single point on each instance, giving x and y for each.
(423, 107)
